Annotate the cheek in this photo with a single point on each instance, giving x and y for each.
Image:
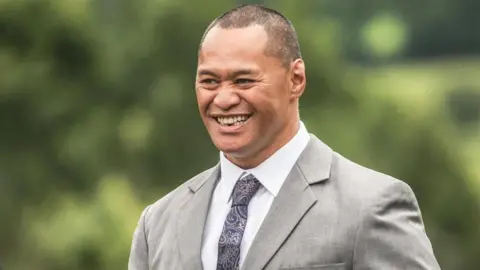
(271, 100)
(204, 99)
(265, 108)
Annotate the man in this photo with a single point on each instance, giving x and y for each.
(279, 198)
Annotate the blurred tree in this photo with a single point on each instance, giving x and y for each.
(434, 28)
(464, 106)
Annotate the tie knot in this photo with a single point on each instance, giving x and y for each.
(244, 190)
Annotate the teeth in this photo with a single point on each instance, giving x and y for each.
(232, 120)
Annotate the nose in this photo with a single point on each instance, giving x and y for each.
(226, 99)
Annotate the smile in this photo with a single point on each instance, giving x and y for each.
(232, 120)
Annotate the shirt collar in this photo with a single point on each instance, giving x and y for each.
(272, 172)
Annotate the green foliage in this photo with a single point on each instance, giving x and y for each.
(74, 233)
(98, 118)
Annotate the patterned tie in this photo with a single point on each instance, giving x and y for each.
(234, 226)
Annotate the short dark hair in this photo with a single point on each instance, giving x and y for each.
(282, 37)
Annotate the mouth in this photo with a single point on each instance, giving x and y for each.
(233, 120)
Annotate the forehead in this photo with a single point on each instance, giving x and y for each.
(234, 46)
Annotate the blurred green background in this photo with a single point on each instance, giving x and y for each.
(98, 116)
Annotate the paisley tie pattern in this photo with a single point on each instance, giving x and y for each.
(234, 226)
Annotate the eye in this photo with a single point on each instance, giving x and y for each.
(244, 81)
(209, 81)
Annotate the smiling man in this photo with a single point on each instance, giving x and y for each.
(279, 198)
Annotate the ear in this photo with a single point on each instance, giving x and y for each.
(298, 78)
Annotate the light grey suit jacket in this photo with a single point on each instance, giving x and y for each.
(330, 214)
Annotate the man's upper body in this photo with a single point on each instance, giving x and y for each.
(330, 213)
(314, 210)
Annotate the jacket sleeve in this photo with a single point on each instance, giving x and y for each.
(392, 234)
(139, 250)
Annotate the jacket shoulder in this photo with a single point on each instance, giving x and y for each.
(362, 184)
(169, 204)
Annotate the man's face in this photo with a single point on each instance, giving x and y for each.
(244, 96)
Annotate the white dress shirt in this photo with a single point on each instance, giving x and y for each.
(271, 174)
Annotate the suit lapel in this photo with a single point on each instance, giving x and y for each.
(291, 204)
(293, 201)
(191, 219)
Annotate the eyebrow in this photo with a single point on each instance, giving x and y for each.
(242, 72)
(234, 74)
(206, 73)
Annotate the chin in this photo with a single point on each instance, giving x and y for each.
(230, 147)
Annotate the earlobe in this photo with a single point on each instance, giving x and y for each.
(298, 78)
